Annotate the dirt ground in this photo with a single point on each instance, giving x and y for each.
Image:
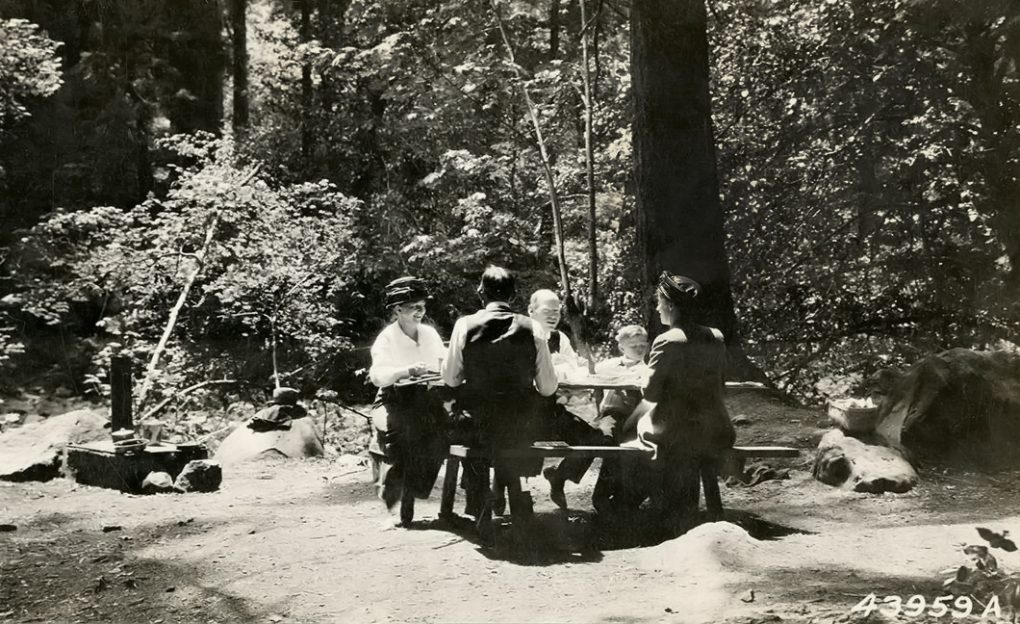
(302, 541)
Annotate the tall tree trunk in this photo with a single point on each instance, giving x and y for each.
(589, 168)
(305, 35)
(680, 219)
(239, 25)
(554, 29)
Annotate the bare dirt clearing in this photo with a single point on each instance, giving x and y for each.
(293, 541)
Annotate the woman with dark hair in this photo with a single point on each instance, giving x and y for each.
(683, 418)
(409, 419)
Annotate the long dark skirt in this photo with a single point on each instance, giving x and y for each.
(414, 443)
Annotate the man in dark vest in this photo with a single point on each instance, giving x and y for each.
(500, 363)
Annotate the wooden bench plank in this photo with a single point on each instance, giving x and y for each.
(457, 450)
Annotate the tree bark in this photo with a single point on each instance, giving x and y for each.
(305, 34)
(680, 218)
(239, 25)
(554, 29)
(589, 168)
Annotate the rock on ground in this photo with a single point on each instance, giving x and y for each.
(34, 451)
(957, 406)
(849, 462)
(243, 444)
(157, 483)
(200, 475)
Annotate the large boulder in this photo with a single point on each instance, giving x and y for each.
(959, 406)
(243, 444)
(862, 467)
(34, 452)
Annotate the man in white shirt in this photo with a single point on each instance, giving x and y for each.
(560, 423)
(545, 308)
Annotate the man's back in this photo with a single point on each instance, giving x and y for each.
(499, 353)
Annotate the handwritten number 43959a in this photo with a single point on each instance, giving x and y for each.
(915, 606)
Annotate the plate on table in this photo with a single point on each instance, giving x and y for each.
(427, 378)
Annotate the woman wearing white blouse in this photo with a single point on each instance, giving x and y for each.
(409, 419)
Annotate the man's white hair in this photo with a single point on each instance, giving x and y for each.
(541, 294)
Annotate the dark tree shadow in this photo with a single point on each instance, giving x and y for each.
(89, 575)
(643, 528)
(547, 538)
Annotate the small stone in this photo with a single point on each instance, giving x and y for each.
(740, 420)
(110, 528)
(200, 475)
(157, 482)
(7, 528)
(747, 596)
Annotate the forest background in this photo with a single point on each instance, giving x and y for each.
(279, 169)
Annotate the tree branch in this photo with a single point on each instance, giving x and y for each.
(162, 404)
(210, 232)
(550, 178)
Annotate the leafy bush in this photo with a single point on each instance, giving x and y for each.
(271, 267)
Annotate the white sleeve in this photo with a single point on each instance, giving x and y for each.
(453, 365)
(385, 368)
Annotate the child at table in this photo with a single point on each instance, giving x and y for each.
(632, 341)
(617, 405)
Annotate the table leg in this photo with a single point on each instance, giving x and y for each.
(710, 483)
(449, 487)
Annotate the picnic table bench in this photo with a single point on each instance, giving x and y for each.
(734, 462)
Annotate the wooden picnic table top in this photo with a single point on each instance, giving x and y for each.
(561, 449)
(550, 450)
(597, 382)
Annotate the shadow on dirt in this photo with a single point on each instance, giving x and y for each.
(545, 539)
(644, 528)
(90, 575)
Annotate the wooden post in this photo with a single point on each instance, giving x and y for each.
(120, 389)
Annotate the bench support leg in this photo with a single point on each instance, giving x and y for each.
(449, 487)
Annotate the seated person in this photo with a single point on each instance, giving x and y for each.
(558, 422)
(409, 422)
(499, 362)
(545, 308)
(682, 418)
(617, 405)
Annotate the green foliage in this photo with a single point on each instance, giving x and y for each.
(418, 111)
(867, 153)
(29, 69)
(864, 151)
(277, 271)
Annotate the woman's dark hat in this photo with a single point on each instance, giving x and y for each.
(285, 396)
(404, 290)
(677, 288)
